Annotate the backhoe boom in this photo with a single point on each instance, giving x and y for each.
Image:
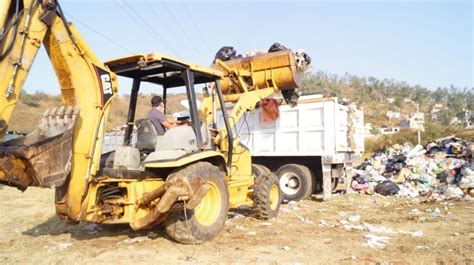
(45, 157)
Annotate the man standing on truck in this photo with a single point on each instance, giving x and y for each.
(157, 116)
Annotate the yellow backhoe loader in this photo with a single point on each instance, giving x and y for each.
(185, 180)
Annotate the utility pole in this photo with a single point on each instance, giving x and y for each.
(418, 122)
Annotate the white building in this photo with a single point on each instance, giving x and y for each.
(415, 120)
(393, 114)
(435, 110)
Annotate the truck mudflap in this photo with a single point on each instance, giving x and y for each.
(177, 188)
(43, 157)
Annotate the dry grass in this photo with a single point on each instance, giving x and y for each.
(25, 117)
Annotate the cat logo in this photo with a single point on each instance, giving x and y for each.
(106, 84)
(106, 89)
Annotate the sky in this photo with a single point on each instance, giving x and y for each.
(429, 43)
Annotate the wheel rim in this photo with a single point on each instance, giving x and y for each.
(207, 211)
(289, 183)
(274, 197)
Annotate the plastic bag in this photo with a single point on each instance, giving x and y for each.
(270, 110)
(227, 53)
(387, 188)
(276, 47)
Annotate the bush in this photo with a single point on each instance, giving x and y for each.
(29, 100)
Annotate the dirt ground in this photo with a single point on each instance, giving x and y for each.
(310, 232)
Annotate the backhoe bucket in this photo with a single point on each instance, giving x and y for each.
(43, 157)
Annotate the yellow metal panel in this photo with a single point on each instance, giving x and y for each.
(155, 57)
(83, 87)
(12, 75)
(4, 5)
(135, 190)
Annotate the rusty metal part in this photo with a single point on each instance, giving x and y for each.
(46, 152)
(200, 190)
(148, 197)
(14, 174)
(175, 189)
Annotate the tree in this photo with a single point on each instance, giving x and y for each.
(440, 95)
(421, 95)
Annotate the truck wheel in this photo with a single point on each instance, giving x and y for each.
(296, 182)
(266, 196)
(208, 218)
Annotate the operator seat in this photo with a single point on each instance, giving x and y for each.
(177, 142)
(146, 135)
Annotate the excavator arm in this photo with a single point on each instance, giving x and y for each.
(64, 151)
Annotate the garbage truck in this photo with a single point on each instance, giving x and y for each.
(311, 146)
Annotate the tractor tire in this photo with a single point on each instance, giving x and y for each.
(258, 169)
(266, 196)
(296, 182)
(204, 222)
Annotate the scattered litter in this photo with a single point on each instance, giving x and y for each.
(374, 241)
(237, 216)
(138, 239)
(265, 224)
(304, 219)
(286, 248)
(342, 213)
(251, 233)
(344, 222)
(417, 234)
(378, 229)
(322, 223)
(242, 228)
(422, 247)
(292, 203)
(64, 245)
(354, 218)
(61, 246)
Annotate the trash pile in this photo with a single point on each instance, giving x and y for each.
(442, 169)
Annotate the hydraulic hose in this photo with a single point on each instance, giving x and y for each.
(13, 25)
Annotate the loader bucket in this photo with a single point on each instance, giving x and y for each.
(43, 157)
(283, 70)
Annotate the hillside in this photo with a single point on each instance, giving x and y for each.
(377, 96)
(31, 106)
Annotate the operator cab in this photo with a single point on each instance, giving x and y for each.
(177, 142)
